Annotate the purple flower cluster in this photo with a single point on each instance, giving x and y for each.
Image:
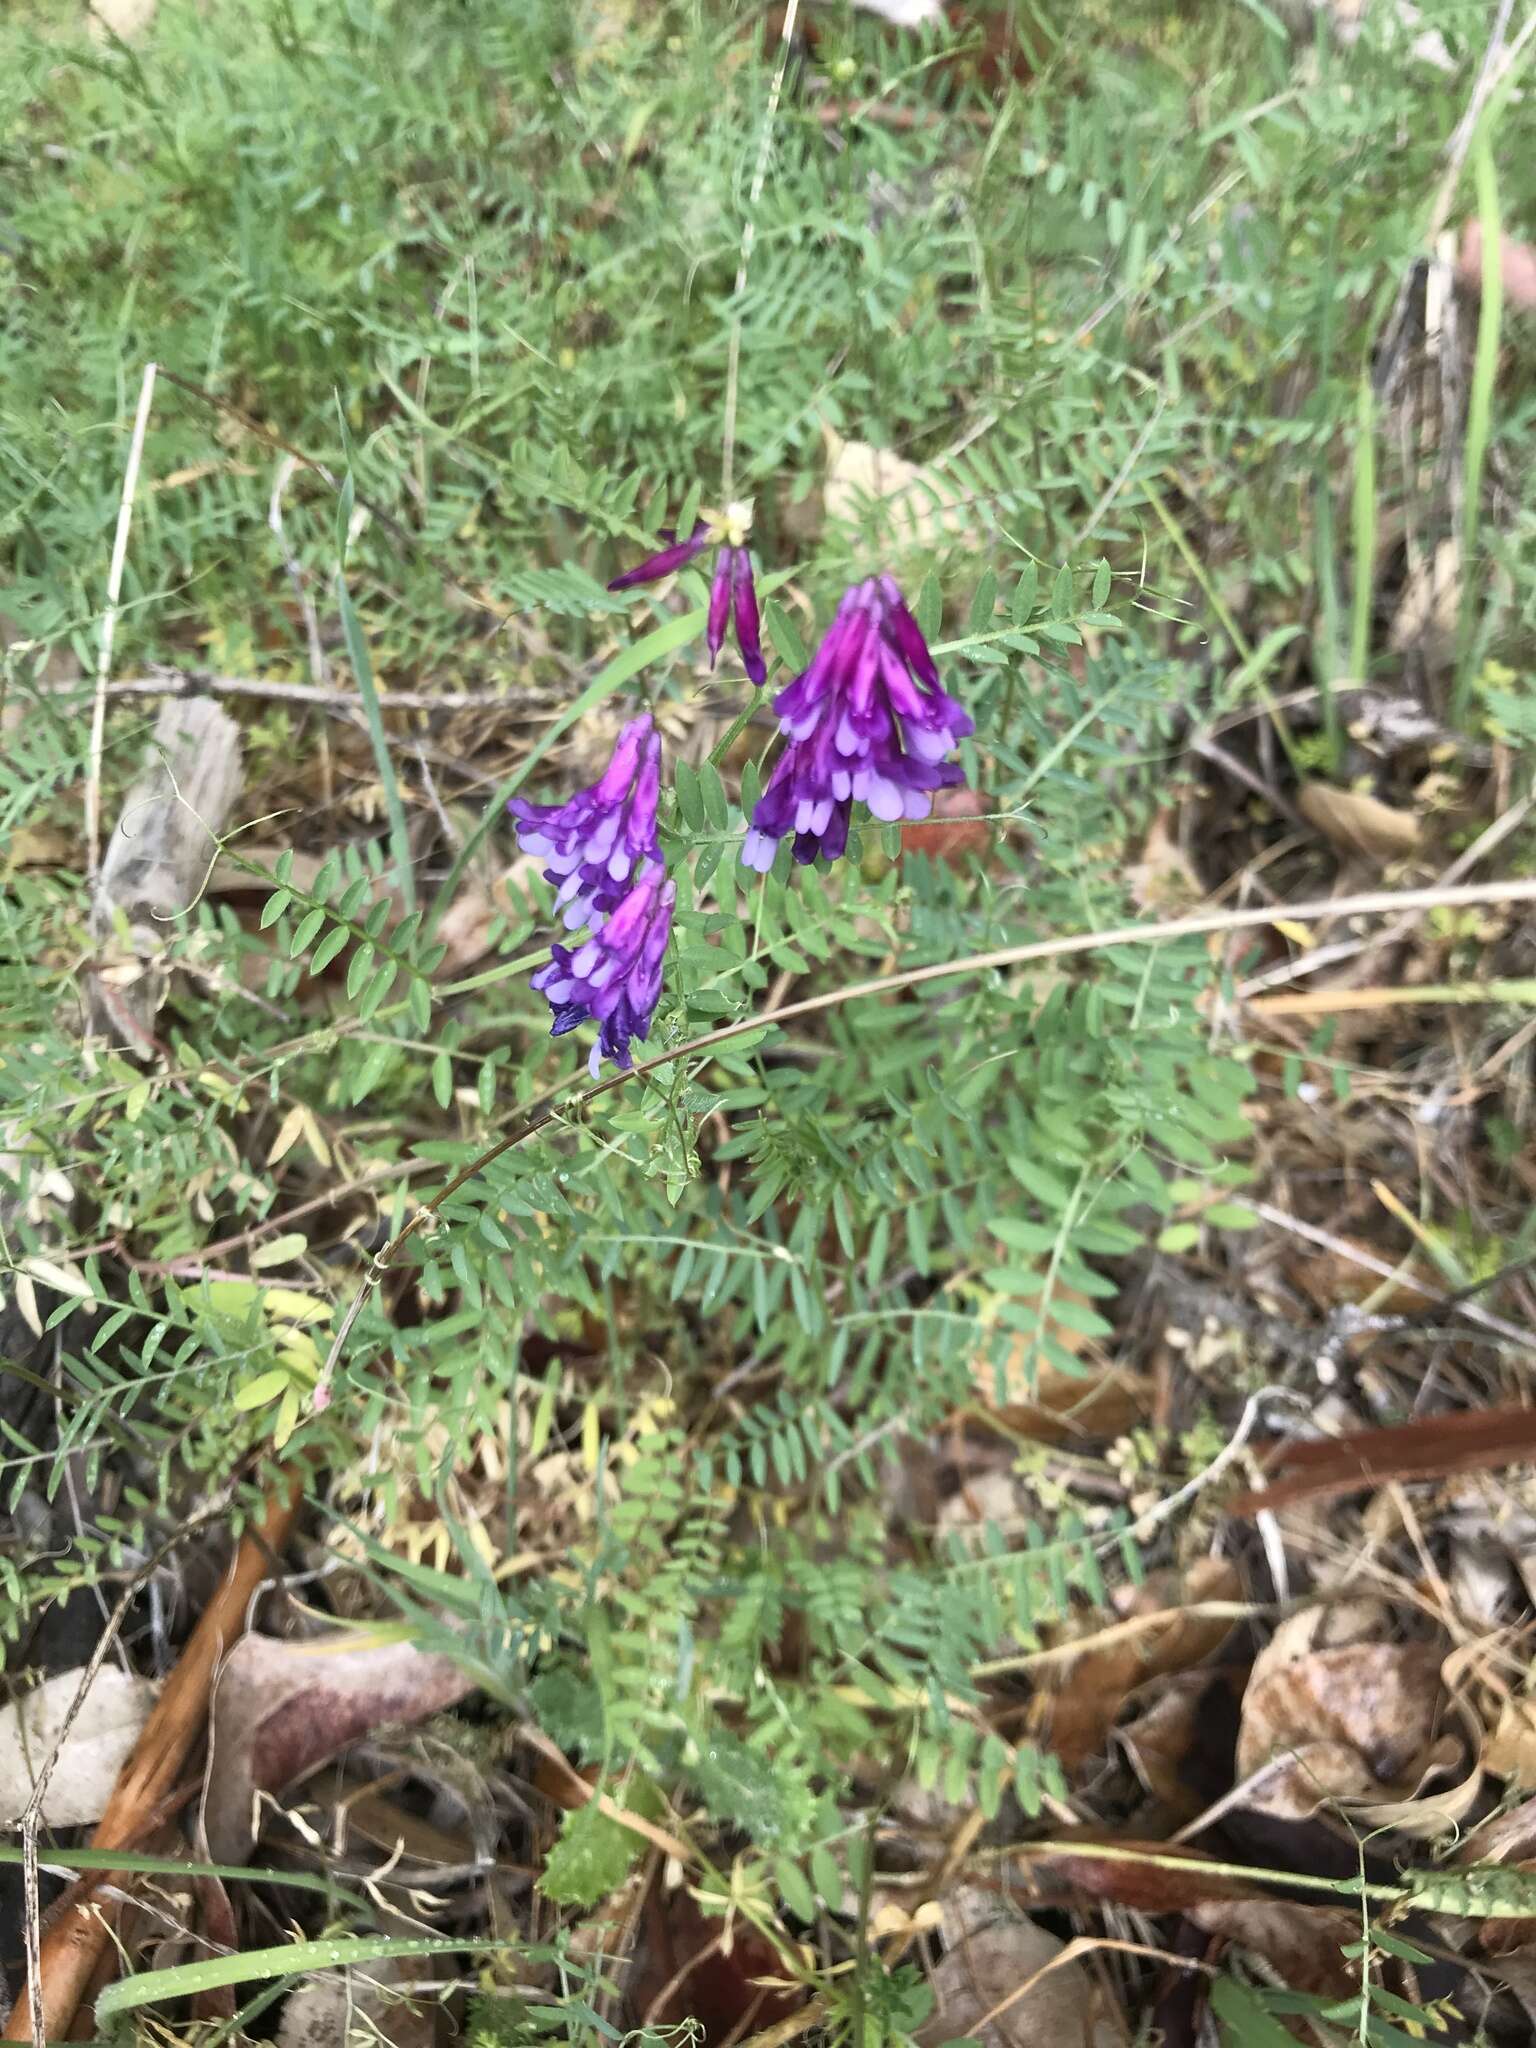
(598, 840)
(614, 978)
(868, 722)
(732, 593)
(605, 859)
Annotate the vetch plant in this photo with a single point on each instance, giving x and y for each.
(732, 593)
(868, 721)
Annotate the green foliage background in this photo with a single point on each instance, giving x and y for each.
(481, 257)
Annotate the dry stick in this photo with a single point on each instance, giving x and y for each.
(173, 682)
(544, 1108)
(61, 1964)
(109, 623)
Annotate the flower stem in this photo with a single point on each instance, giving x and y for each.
(748, 237)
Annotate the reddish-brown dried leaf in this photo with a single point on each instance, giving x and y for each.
(953, 832)
(1079, 1701)
(1427, 1448)
(683, 1971)
(281, 1709)
(1357, 1722)
(1175, 1883)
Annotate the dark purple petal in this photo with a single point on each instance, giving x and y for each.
(719, 604)
(654, 567)
(905, 633)
(748, 639)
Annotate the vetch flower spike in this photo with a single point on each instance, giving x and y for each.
(614, 978)
(732, 594)
(868, 722)
(596, 842)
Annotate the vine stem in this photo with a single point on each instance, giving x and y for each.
(546, 1107)
(748, 238)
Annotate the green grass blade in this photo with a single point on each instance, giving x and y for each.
(291, 1959)
(1363, 536)
(362, 668)
(1485, 365)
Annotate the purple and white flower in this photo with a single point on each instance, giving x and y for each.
(732, 593)
(614, 977)
(868, 722)
(596, 842)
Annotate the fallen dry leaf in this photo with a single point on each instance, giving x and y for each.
(907, 503)
(1359, 823)
(904, 13)
(1302, 1943)
(1160, 1879)
(280, 1709)
(466, 926)
(40, 846)
(358, 1815)
(1050, 1406)
(1517, 262)
(1428, 1447)
(1355, 1724)
(1510, 1748)
(1163, 879)
(954, 832)
(1173, 1741)
(1079, 1700)
(370, 2002)
(1427, 611)
(122, 18)
(99, 1743)
(727, 1981)
(998, 1968)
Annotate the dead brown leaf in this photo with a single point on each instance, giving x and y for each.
(1049, 1406)
(466, 926)
(281, 1709)
(912, 505)
(1302, 1943)
(1004, 1987)
(1517, 261)
(1430, 1446)
(1510, 1748)
(1356, 1724)
(1163, 879)
(954, 832)
(1171, 1730)
(1080, 1700)
(124, 18)
(94, 1747)
(370, 2002)
(1161, 1879)
(1427, 611)
(1359, 823)
(728, 1980)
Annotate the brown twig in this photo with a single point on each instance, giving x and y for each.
(166, 681)
(62, 1963)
